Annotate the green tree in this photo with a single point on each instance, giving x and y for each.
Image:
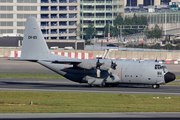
(168, 47)
(155, 32)
(112, 30)
(135, 20)
(90, 32)
(79, 30)
(143, 20)
(118, 21)
(128, 21)
(156, 46)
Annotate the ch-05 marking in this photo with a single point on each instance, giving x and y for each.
(32, 37)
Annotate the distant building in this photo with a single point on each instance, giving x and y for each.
(147, 2)
(57, 18)
(99, 13)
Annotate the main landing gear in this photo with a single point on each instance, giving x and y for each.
(155, 86)
(104, 85)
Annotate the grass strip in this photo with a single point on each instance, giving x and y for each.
(31, 76)
(173, 83)
(66, 102)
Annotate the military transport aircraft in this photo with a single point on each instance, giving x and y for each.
(100, 72)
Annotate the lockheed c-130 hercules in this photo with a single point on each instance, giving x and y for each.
(95, 72)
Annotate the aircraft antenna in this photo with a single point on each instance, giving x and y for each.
(156, 59)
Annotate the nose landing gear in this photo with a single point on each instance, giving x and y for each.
(155, 86)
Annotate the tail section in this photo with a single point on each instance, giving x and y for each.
(34, 46)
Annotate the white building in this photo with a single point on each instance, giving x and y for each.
(57, 18)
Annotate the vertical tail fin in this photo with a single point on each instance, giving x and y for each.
(34, 46)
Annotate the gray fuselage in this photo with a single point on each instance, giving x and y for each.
(132, 72)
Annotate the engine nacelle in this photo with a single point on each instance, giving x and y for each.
(92, 65)
(86, 65)
(95, 81)
(105, 66)
(114, 79)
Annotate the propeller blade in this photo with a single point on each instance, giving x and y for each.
(113, 65)
(98, 64)
(98, 72)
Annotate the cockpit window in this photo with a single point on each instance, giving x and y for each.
(165, 69)
(158, 67)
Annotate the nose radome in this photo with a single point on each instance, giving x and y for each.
(169, 77)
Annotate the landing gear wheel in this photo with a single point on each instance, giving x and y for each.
(155, 86)
(102, 85)
(106, 85)
(113, 85)
(91, 85)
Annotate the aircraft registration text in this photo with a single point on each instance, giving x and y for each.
(32, 37)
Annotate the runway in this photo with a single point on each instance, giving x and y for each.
(94, 116)
(64, 85)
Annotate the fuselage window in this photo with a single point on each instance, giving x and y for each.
(126, 75)
(159, 73)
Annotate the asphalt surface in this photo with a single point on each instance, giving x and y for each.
(9, 66)
(64, 85)
(90, 116)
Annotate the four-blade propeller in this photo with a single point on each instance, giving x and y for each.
(98, 65)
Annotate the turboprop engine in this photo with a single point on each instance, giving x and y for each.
(106, 66)
(95, 65)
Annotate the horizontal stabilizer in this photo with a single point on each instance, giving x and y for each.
(20, 59)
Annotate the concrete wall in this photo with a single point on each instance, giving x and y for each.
(148, 55)
(113, 54)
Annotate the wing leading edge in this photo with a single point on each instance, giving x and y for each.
(64, 61)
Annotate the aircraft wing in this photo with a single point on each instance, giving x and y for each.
(64, 61)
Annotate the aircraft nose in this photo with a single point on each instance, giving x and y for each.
(169, 77)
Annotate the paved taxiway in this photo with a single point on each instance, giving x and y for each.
(63, 85)
(99, 116)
